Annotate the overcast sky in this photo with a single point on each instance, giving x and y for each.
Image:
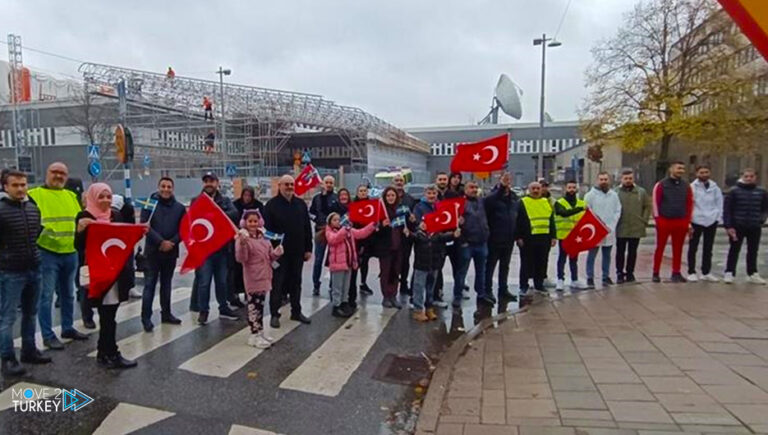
(410, 62)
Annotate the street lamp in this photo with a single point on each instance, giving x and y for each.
(223, 72)
(544, 42)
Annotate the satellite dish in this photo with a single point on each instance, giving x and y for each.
(508, 97)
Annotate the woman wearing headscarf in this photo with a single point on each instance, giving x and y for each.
(98, 208)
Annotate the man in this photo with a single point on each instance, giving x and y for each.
(744, 213)
(398, 182)
(545, 193)
(443, 192)
(451, 249)
(215, 266)
(568, 210)
(501, 209)
(672, 210)
(58, 208)
(635, 212)
(473, 247)
(536, 236)
(162, 250)
(322, 205)
(605, 204)
(286, 214)
(19, 273)
(707, 214)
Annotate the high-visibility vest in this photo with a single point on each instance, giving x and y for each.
(58, 209)
(539, 213)
(564, 224)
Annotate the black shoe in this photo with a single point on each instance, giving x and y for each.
(316, 291)
(677, 278)
(202, 318)
(237, 303)
(364, 289)
(485, 299)
(630, 278)
(457, 302)
(118, 362)
(656, 278)
(171, 319)
(148, 326)
(506, 296)
(620, 278)
(35, 357)
(74, 335)
(396, 304)
(405, 290)
(339, 312)
(274, 322)
(89, 324)
(228, 314)
(607, 281)
(590, 283)
(102, 360)
(352, 306)
(11, 367)
(491, 298)
(301, 318)
(53, 344)
(466, 288)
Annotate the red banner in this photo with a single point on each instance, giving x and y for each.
(485, 156)
(107, 248)
(367, 211)
(587, 234)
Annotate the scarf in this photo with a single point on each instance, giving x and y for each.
(92, 201)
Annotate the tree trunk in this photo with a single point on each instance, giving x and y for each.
(662, 163)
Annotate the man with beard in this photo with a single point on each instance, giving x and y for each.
(398, 182)
(635, 212)
(322, 205)
(568, 210)
(536, 236)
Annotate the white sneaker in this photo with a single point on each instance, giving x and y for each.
(728, 278)
(693, 278)
(711, 278)
(549, 283)
(135, 293)
(258, 342)
(440, 304)
(267, 337)
(756, 279)
(579, 284)
(559, 285)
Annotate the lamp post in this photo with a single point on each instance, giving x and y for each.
(544, 42)
(223, 72)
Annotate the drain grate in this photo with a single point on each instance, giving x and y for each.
(402, 369)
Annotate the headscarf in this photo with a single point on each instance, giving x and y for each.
(92, 201)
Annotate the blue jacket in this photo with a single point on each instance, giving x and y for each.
(422, 208)
(164, 226)
(475, 229)
(501, 210)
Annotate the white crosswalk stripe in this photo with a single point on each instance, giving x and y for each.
(232, 353)
(329, 368)
(127, 418)
(236, 429)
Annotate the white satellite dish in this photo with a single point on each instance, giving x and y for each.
(508, 97)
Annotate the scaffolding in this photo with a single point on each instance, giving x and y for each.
(257, 122)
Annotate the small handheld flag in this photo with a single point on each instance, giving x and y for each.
(345, 221)
(398, 222)
(275, 237)
(147, 203)
(403, 210)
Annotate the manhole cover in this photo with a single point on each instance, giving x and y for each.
(405, 370)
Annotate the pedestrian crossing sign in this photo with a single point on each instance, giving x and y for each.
(93, 152)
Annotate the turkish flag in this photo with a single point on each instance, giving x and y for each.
(307, 179)
(587, 234)
(367, 211)
(441, 220)
(107, 248)
(453, 205)
(204, 230)
(485, 156)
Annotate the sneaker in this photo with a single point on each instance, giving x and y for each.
(419, 316)
(620, 278)
(590, 283)
(506, 295)
(259, 342)
(677, 278)
(316, 291)
(607, 281)
(364, 289)
(89, 324)
(542, 291)
(11, 367)
(709, 277)
(53, 344)
(756, 279)
(135, 293)
(560, 285)
(656, 279)
(228, 314)
(267, 337)
(396, 304)
(431, 315)
(578, 285)
(237, 303)
(630, 278)
(440, 304)
(274, 322)
(692, 277)
(202, 318)
(339, 312)
(728, 278)
(549, 283)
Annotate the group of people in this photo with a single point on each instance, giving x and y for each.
(43, 233)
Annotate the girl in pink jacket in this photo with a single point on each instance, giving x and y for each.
(342, 260)
(256, 254)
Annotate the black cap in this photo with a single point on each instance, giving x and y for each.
(210, 174)
(543, 182)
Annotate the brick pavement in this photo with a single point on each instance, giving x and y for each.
(636, 359)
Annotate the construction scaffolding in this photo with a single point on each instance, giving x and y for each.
(256, 122)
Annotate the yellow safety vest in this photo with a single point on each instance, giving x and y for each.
(564, 224)
(539, 213)
(58, 209)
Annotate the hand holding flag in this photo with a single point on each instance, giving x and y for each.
(587, 234)
(107, 248)
(204, 229)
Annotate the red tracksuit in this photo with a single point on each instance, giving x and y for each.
(672, 220)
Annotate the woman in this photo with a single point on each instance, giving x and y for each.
(342, 205)
(455, 184)
(363, 249)
(98, 207)
(387, 244)
(247, 201)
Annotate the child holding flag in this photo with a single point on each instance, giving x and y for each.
(255, 252)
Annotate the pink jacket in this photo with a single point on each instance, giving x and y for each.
(256, 256)
(342, 253)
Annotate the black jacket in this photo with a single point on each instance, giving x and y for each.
(387, 239)
(475, 229)
(126, 278)
(292, 219)
(164, 226)
(19, 229)
(226, 205)
(322, 205)
(242, 207)
(501, 210)
(745, 206)
(429, 250)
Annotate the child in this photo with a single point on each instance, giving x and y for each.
(256, 254)
(342, 260)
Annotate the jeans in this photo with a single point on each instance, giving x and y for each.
(162, 268)
(214, 269)
(706, 250)
(573, 263)
(57, 275)
(286, 280)
(15, 288)
(628, 246)
(453, 253)
(666, 228)
(501, 254)
(317, 269)
(107, 345)
(423, 288)
(339, 286)
(753, 243)
(606, 260)
(477, 252)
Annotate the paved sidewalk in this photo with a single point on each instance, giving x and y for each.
(634, 359)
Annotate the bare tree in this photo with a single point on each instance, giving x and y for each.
(94, 117)
(673, 71)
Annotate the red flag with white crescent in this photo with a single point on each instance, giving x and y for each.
(306, 180)
(587, 234)
(441, 220)
(485, 156)
(204, 230)
(367, 211)
(107, 248)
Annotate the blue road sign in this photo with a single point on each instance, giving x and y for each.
(94, 168)
(146, 160)
(231, 170)
(93, 152)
